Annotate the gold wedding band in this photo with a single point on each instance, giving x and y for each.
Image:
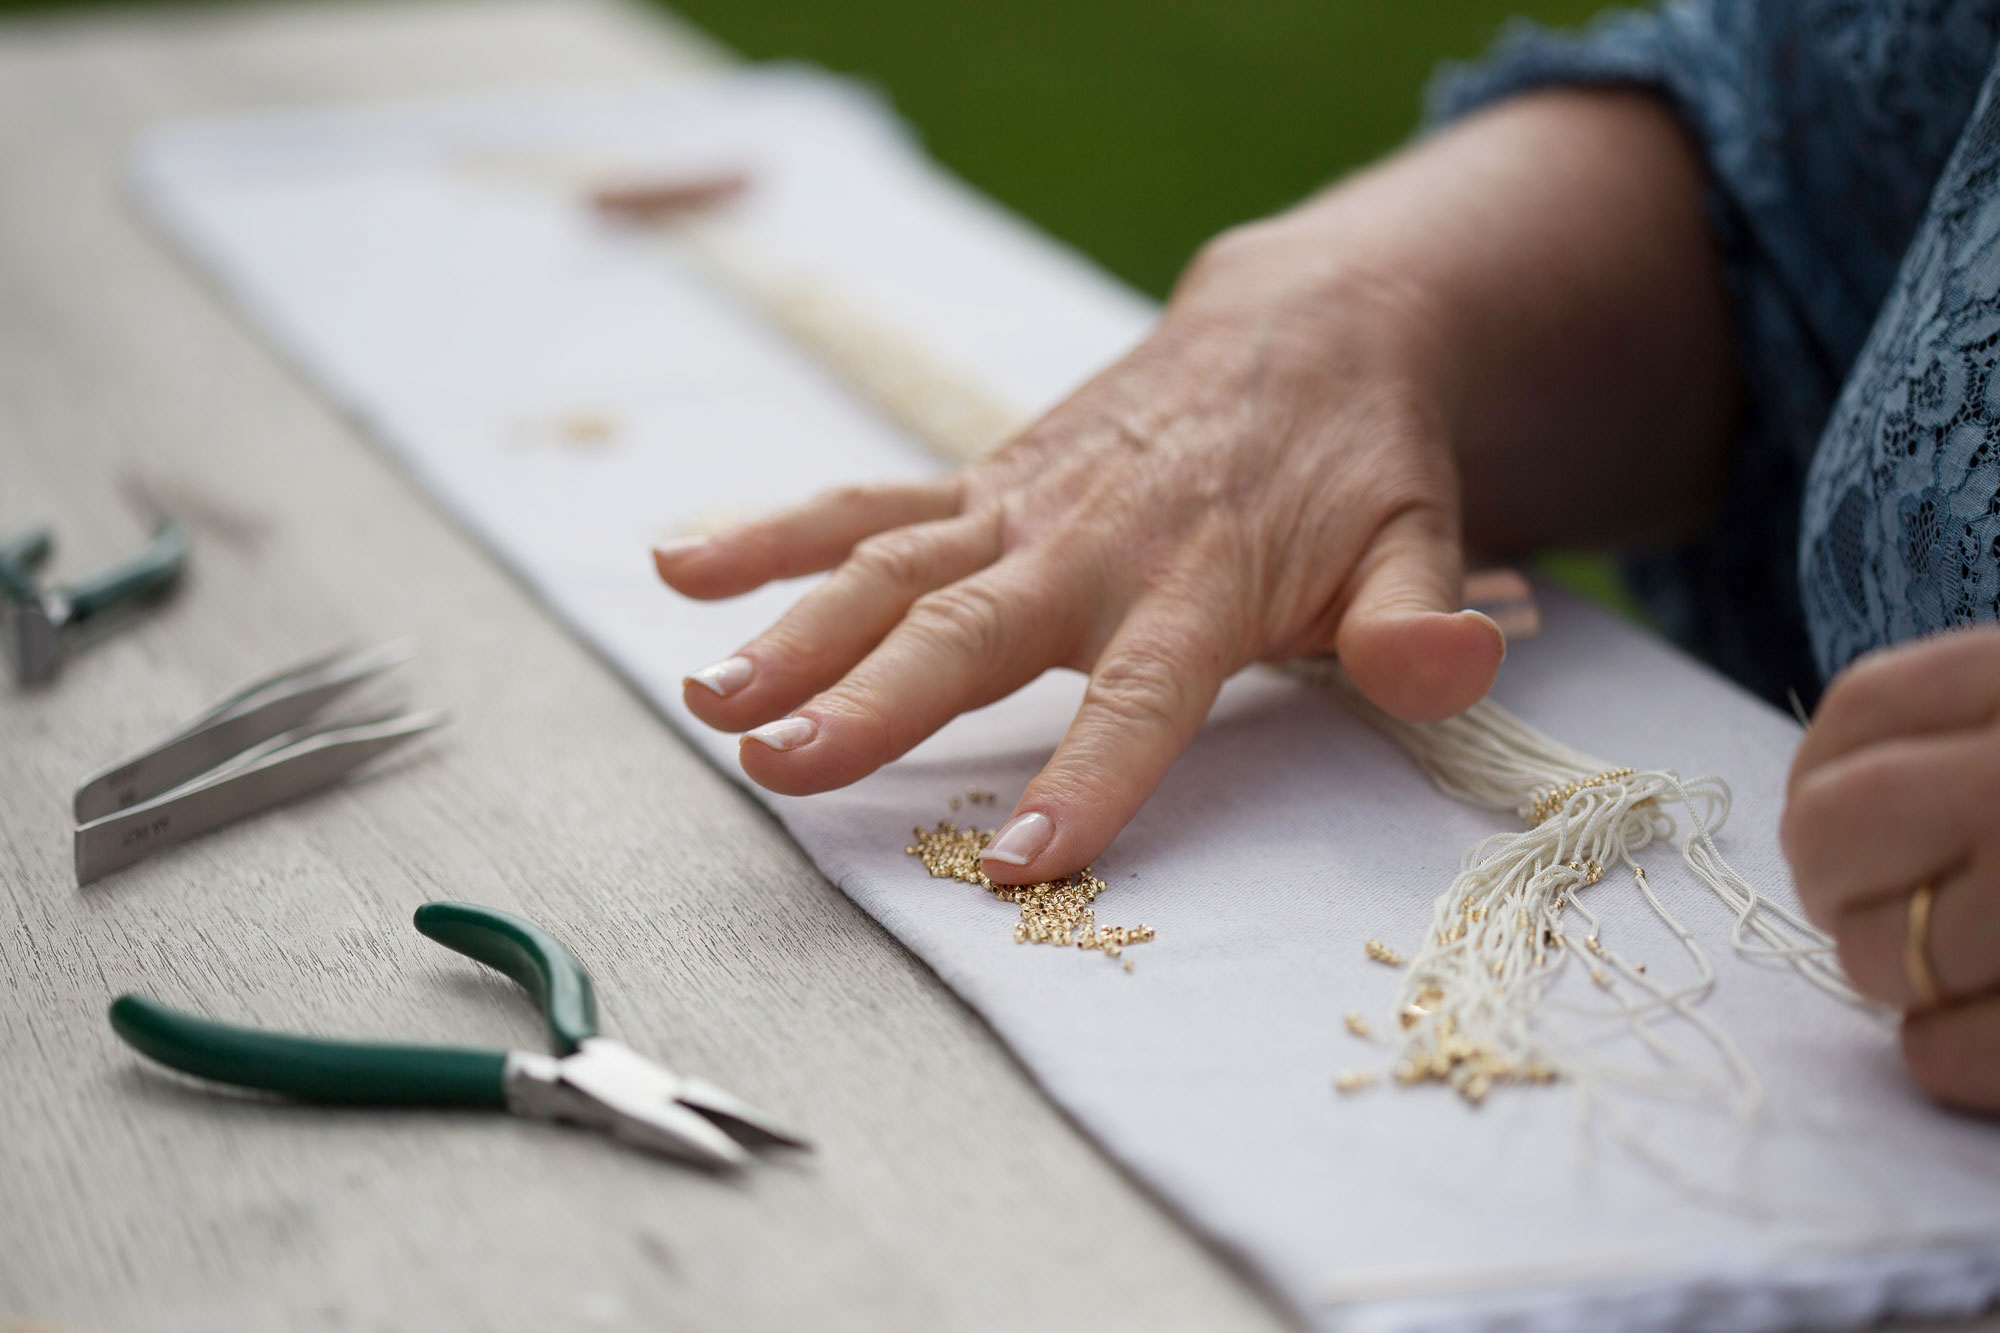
(1916, 948)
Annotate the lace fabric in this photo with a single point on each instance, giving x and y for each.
(1851, 169)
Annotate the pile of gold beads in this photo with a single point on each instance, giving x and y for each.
(1057, 912)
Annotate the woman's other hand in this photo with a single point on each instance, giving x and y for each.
(1896, 788)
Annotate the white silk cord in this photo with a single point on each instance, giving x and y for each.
(1475, 1001)
(1473, 1005)
(944, 407)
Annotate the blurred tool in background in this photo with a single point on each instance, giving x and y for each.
(43, 625)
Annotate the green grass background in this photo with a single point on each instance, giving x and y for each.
(1136, 129)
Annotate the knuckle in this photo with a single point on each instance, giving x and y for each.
(968, 617)
(1142, 687)
(866, 722)
(849, 497)
(900, 559)
(761, 540)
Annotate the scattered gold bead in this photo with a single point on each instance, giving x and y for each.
(1358, 1025)
(1382, 953)
(1354, 1080)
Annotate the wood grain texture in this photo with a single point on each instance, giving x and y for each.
(946, 1193)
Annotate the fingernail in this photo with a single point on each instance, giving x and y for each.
(1021, 840)
(727, 676)
(787, 733)
(1499, 632)
(678, 546)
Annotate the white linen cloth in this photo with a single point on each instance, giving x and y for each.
(433, 270)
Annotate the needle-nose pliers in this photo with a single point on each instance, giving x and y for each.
(591, 1081)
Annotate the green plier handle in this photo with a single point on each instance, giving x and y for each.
(149, 572)
(19, 558)
(374, 1073)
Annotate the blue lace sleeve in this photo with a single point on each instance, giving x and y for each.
(1823, 125)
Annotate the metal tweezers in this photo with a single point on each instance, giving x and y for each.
(255, 749)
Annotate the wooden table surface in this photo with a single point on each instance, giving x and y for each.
(946, 1192)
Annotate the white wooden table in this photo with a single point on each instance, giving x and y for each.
(946, 1192)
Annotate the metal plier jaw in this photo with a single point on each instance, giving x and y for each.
(608, 1087)
(41, 625)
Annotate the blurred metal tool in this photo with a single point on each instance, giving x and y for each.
(42, 625)
(255, 749)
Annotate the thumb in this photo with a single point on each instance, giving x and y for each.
(1403, 640)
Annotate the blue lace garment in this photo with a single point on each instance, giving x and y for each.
(1853, 149)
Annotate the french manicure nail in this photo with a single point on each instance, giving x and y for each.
(1021, 840)
(678, 546)
(727, 676)
(787, 733)
(1499, 631)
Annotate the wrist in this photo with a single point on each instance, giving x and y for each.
(1326, 301)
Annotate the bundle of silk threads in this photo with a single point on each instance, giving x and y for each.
(1472, 1009)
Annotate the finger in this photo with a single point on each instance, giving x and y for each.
(1148, 695)
(838, 623)
(804, 539)
(1954, 1054)
(1403, 640)
(1875, 823)
(1947, 683)
(1962, 944)
(958, 648)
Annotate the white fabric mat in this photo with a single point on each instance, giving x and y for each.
(431, 268)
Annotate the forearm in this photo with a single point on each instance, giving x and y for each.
(1571, 301)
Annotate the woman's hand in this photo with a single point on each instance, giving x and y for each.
(1897, 786)
(1530, 300)
(1266, 477)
